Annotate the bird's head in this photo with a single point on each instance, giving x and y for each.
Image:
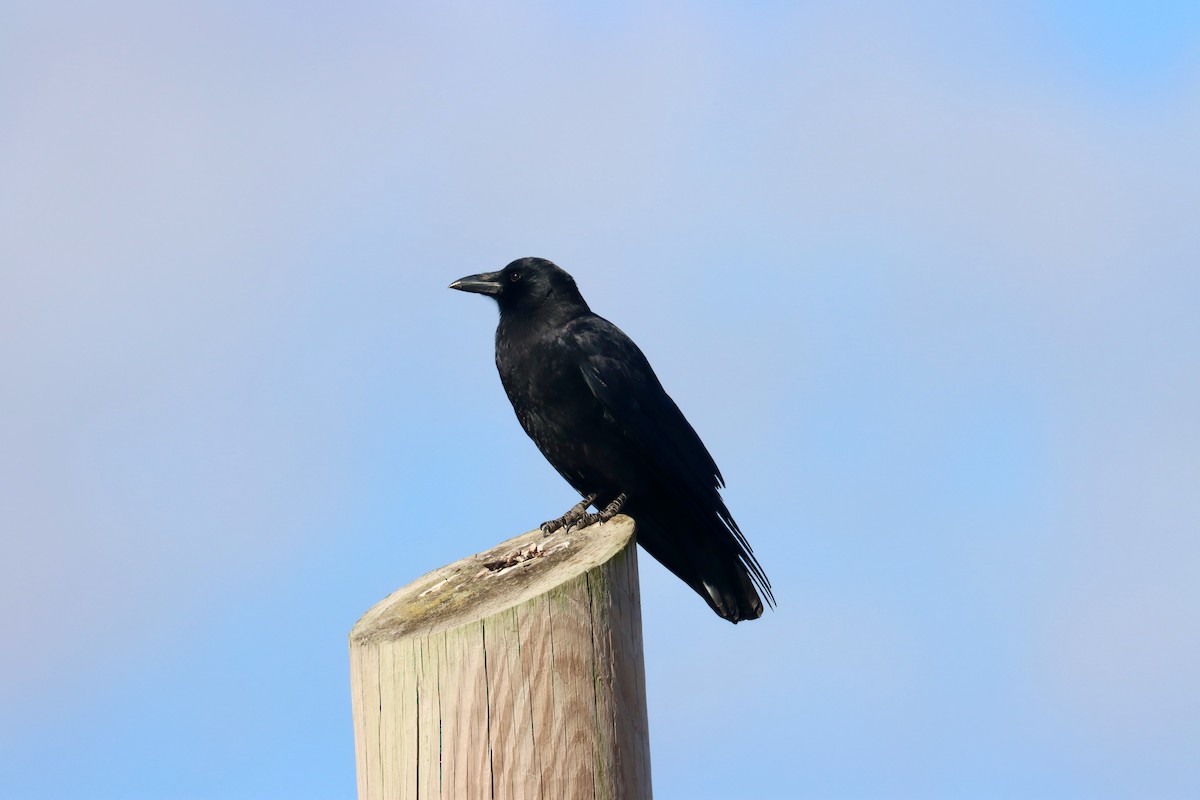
(525, 286)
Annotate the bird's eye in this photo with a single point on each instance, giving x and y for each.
(514, 277)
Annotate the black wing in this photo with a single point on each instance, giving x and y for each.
(621, 379)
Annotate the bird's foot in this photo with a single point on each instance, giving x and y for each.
(608, 513)
(577, 512)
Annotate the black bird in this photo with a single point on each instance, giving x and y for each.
(588, 398)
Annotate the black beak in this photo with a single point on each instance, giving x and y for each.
(484, 283)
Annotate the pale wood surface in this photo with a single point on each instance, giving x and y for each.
(516, 674)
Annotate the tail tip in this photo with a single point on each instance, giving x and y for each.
(731, 606)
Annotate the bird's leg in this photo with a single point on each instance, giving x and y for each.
(577, 512)
(608, 513)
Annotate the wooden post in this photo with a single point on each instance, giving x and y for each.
(516, 673)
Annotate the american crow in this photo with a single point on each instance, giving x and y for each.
(588, 398)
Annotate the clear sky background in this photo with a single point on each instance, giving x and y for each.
(925, 277)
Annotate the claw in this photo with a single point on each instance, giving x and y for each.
(610, 511)
(576, 513)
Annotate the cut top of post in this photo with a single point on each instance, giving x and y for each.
(484, 584)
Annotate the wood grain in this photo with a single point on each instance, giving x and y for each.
(522, 681)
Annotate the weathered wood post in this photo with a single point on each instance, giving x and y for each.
(515, 673)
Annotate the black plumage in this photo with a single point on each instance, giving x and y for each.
(590, 401)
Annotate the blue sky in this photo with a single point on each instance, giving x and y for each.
(925, 280)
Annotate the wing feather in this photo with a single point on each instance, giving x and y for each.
(621, 379)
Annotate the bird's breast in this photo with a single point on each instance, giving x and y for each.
(572, 429)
